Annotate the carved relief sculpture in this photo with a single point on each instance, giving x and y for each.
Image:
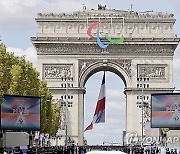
(56, 71)
(152, 70)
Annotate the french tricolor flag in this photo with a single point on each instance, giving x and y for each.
(99, 115)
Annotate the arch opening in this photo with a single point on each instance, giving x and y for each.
(111, 131)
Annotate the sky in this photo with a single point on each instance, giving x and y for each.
(17, 25)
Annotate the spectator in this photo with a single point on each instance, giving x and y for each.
(167, 151)
(18, 150)
(5, 151)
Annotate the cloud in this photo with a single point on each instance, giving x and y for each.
(176, 4)
(115, 110)
(30, 54)
(17, 14)
(109, 131)
(114, 105)
(176, 70)
(117, 94)
(105, 132)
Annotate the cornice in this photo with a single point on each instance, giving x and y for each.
(131, 48)
(107, 13)
(70, 88)
(93, 40)
(148, 90)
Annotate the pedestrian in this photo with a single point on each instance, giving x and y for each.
(167, 151)
(5, 151)
(18, 150)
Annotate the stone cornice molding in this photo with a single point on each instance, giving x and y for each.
(148, 90)
(86, 40)
(78, 89)
(60, 88)
(108, 13)
(93, 49)
(116, 20)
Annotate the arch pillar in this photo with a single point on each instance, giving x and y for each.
(80, 118)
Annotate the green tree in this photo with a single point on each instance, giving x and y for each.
(18, 77)
(6, 62)
(46, 106)
(24, 79)
(15, 72)
(55, 119)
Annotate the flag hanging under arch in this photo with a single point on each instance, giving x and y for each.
(99, 115)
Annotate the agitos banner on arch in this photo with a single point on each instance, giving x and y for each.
(20, 112)
(102, 45)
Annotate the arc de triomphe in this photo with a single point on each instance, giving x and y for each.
(64, 48)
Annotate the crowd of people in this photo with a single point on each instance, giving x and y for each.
(84, 149)
(151, 150)
(57, 150)
(44, 150)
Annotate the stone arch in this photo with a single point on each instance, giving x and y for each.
(104, 66)
(139, 56)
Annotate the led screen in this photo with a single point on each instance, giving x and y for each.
(165, 110)
(20, 113)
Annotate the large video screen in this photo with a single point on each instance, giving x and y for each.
(165, 110)
(20, 113)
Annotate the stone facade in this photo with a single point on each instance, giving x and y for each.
(64, 49)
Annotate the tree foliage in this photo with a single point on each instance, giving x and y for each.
(55, 119)
(18, 77)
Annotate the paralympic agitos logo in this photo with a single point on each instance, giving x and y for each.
(98, 39)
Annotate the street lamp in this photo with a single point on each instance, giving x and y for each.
(141, 105)
(66, 139)
(67, 78)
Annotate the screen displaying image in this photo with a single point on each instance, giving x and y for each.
(20, 113)
(165, 110)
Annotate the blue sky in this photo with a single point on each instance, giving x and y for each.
(17, 25)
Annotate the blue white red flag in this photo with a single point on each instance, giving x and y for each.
(99, 115)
